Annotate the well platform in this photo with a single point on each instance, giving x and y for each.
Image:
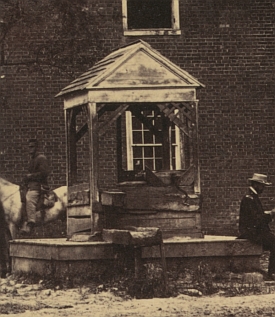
(220, 252)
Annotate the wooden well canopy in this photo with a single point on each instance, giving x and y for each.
(133, 78)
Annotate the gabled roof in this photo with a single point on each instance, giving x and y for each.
(136, 65)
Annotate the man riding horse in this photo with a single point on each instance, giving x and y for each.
(36, 183)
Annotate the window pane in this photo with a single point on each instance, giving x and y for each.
(158, 151)
(158, 123)
(137, 137)
(149, 14)
(149, 163)
(173, 136)
(137, 152)
(173, 164)
(148, 151)
(148, 137)
(158, 139)
(136, 124)
(158, 164)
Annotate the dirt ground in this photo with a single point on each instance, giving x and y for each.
(19, 297)
(32, 300)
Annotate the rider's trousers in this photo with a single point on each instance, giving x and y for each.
(32, 198)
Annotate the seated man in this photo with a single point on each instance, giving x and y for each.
(35, 180)
(254, 221)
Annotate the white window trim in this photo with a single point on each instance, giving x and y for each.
(175, 30)
(129, 144)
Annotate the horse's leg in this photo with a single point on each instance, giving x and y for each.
(8, 238)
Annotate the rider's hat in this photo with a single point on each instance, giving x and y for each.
(260, 178)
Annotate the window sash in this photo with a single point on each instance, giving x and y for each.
(173, 30)
(131, 145)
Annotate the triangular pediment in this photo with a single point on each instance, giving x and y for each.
(143, 70)
(134, 65)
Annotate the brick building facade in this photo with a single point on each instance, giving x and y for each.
(228, 45)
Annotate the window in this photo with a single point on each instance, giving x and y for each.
(145, 148)
(151, 17)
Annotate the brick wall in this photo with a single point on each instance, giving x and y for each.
(228, 45)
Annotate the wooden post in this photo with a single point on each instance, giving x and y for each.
(93, 150)
(70, 117)
(197, 188)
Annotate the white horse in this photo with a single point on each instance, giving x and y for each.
(13, 207)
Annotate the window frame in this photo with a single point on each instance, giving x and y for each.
(130, 145)
(174, 30)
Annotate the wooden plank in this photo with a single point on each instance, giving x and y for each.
(93, 151)
(160, 198)
(116, 236)
(160, 214)
(152, 178)
(195, 139)
(109, 198)
(71, 146)
(186, 223)
(103, 128)
(176, 120)
(139, 94)
(78, 224)
(78, 211)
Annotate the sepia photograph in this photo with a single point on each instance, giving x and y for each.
(136, 158)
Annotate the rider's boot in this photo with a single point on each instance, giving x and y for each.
(27, 227)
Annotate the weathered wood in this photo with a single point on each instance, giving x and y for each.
(115, 199)
(78, 211)
(139, 94)
(160, 198)
(116, 236)
(187, 178)
(71, 146)
(79, 198)
(164, 224)
(93, 150)
(142, 236)
(103, 128)
(78, 224)
(197, 188)
(178, 122)
(152, 179)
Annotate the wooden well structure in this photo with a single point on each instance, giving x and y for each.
(147, 106)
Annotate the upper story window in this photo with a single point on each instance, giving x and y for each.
(150, 17)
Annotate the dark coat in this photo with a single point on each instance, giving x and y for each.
(39, 171)
(253, 222)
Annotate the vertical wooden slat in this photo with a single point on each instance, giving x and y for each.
(71, 146)
(93, 150)
(165, 143)
(197, 188)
